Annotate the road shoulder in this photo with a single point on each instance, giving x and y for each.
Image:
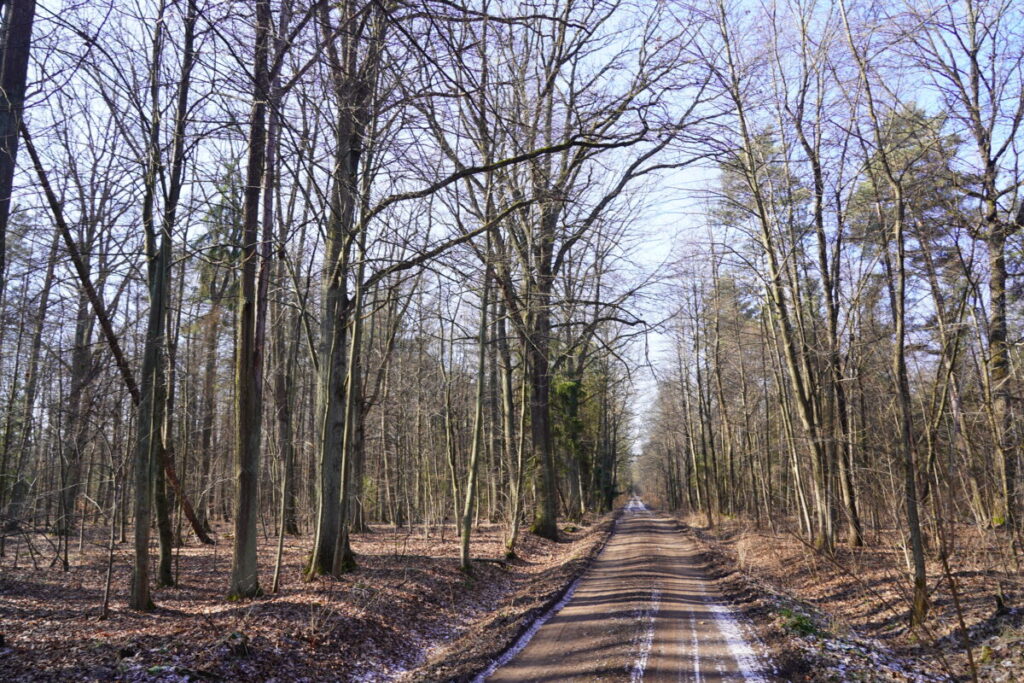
(801, 640)
(487, 638)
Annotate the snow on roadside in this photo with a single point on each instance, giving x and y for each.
(803, 636)
(844, 658)
(538, 586)
(747, 660)
(525, 639)
(751, 667)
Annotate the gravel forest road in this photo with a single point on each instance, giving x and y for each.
(644, 611)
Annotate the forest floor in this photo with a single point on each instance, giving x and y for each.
(846, 618)
(406, 613)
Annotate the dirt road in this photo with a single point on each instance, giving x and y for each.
(643, 612)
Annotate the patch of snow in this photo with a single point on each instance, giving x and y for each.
(646, 639)
(695, 644)
(636, 505)
(746, 659)
(525, 639)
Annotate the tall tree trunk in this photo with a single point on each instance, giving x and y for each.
(286, 350)
(150, 424)
(344, 558)
(465, 562)
(208, 413)
(164, 499)
(336, 314)
(512, 444)
(161, 499)
(75, 437)
(999, 379)
(244, 570)
(897, 298)
(545, 521)
(331, 392)
(284, 400)
(14, 57)
(897, 290)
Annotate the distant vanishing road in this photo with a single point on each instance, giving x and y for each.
(644, 611)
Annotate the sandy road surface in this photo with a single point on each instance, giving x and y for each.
(643, 612)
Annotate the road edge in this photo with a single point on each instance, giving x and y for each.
(462, 660)
(794, 633)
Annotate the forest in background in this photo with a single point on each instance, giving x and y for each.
(293, 268)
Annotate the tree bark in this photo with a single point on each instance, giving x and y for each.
(14, 57)
(465, 562)
(244, 571)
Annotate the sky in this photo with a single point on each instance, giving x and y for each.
(672, 226)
